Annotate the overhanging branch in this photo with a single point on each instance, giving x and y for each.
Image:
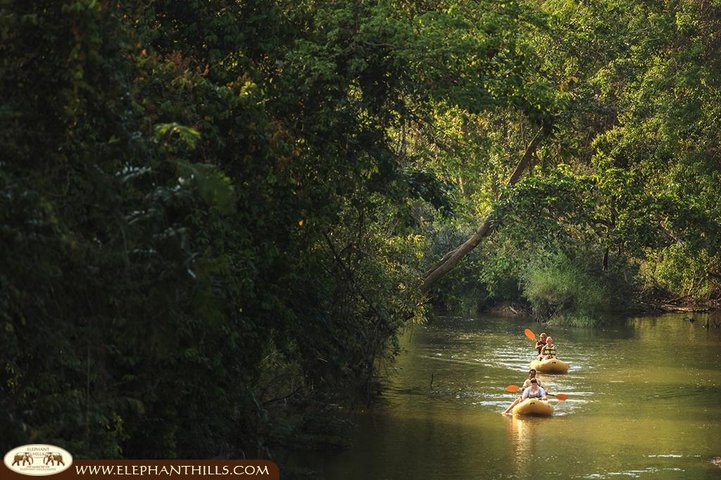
(452, 258)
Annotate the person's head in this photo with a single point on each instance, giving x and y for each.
(543, 337)
(532, 373)
(549, 341)
(534, 382)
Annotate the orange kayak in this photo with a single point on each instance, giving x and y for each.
(552, 365)
(533, 406)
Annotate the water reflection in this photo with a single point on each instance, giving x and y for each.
(524, 433)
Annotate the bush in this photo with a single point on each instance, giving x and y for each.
(564, 291)
(683, 272)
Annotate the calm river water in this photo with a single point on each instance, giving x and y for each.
(645, 402)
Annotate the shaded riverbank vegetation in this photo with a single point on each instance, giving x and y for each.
(215, 216)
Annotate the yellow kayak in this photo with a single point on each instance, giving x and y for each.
(552, 365)
(533, 406)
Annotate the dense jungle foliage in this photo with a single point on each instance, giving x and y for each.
(215, 215)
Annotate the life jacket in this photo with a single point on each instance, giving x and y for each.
(549, 350)
(540, 345)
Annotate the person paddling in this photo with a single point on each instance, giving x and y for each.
(541, 342)
(526, 384)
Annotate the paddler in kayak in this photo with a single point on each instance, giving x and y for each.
(541, 342)
(549, 351)
(534, 391)
(526, 384)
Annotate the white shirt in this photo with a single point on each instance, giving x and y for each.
(527, 393)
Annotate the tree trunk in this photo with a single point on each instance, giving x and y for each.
(604, 264)
(452, 258)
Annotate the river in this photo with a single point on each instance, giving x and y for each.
(644, 402)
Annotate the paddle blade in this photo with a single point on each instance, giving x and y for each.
(561, 396)
(530, 334)
(513, 388)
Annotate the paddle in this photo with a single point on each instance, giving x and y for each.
(530, 334)
(515, 388)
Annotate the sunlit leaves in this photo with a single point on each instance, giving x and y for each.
(214, 187)
(187, 136)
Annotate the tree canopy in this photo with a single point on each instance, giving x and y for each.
(215, 216)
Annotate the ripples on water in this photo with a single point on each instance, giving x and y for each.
(485, 370)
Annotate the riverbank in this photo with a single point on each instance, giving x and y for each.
(514, 309)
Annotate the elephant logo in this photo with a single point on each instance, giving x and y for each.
(38, 460)
(52, 458)
(24, 458)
